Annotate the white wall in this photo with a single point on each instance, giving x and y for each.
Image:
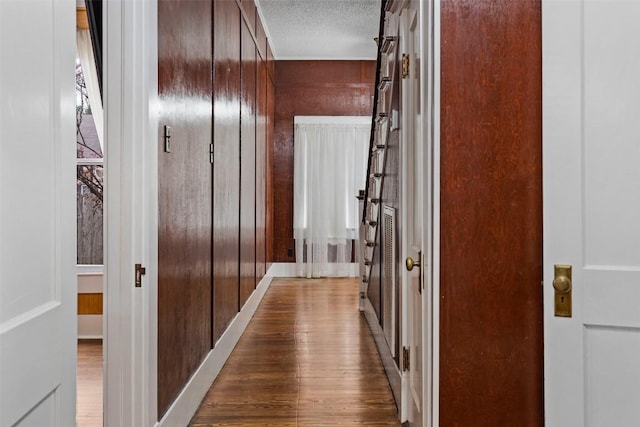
(90, 325)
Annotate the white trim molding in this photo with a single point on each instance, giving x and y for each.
(130, 89)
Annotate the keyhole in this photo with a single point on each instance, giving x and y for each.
(561, 299)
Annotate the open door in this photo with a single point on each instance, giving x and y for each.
(37, 214)
(591, 209)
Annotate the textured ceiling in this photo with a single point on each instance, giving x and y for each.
(321, 29)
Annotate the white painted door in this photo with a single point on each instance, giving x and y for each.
(413, 192)
(37, 213)
(591, 137)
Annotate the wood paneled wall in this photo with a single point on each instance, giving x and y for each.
(215, 84)
(226, 172)
(491, 348)
(308, 88)
(185, 209)
(248, 166)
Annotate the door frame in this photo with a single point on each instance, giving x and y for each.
(408, 245)
(430, 105)
(430, 72)
(131, 207)
(429, 27)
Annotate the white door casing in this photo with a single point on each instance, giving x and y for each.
(131, 210)
(418, 148)
(591, 146)
(37, 213)
(414, 167)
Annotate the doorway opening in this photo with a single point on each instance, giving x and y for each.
(90, 226)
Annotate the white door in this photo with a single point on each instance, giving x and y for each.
(414, 197)
(591, 145)
(37, 213)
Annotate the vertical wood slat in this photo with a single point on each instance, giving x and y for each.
(491, 214)
(261, 168)
(226, 183)
(184, 194)
(247, 165)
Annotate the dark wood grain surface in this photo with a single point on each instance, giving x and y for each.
(491, 354)
(226, 171)
(261, 168)
(306, 359)
(309, 88)
(269, 193)
(184, 194)
(247, 166)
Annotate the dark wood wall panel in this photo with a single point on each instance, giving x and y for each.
(247, 166)
(311, 88)
(184, 223)
(269, 193)
(261, 169)
(491, 348)
(226, 171)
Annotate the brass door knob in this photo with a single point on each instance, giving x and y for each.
(410, 263)
(562, 284)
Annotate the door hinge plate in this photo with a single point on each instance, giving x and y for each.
(405, 359)
(211, 153)
(405, 65)
(139, 272)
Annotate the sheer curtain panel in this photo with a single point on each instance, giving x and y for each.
(330, 161)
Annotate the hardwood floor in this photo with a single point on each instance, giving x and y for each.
(89, 382)
(306, 359)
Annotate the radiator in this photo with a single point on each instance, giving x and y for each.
(389, 277)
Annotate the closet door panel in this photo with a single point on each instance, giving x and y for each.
(226, 169)
(184, 187)
(247, 166)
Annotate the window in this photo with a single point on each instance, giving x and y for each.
(330, 160)
(89, 175)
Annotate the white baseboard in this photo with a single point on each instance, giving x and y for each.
(90, 326)
(282, 269)
(393, 373)
(186, 404)
(288, 269)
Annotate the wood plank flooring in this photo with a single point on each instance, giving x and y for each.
(306, 359)
(89, 383)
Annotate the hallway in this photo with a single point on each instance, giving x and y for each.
(306, 359)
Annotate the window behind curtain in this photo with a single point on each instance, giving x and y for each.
(330, 159)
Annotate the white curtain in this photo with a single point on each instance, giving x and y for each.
(330, 162)
(88, 63)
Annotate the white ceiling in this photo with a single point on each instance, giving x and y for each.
(321, 29)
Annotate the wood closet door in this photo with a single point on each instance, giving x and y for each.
(185, 196)
(247, 167)
(226, 179)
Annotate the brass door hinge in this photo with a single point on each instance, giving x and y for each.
(405, 359)
(405, 65)
(140, 271)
